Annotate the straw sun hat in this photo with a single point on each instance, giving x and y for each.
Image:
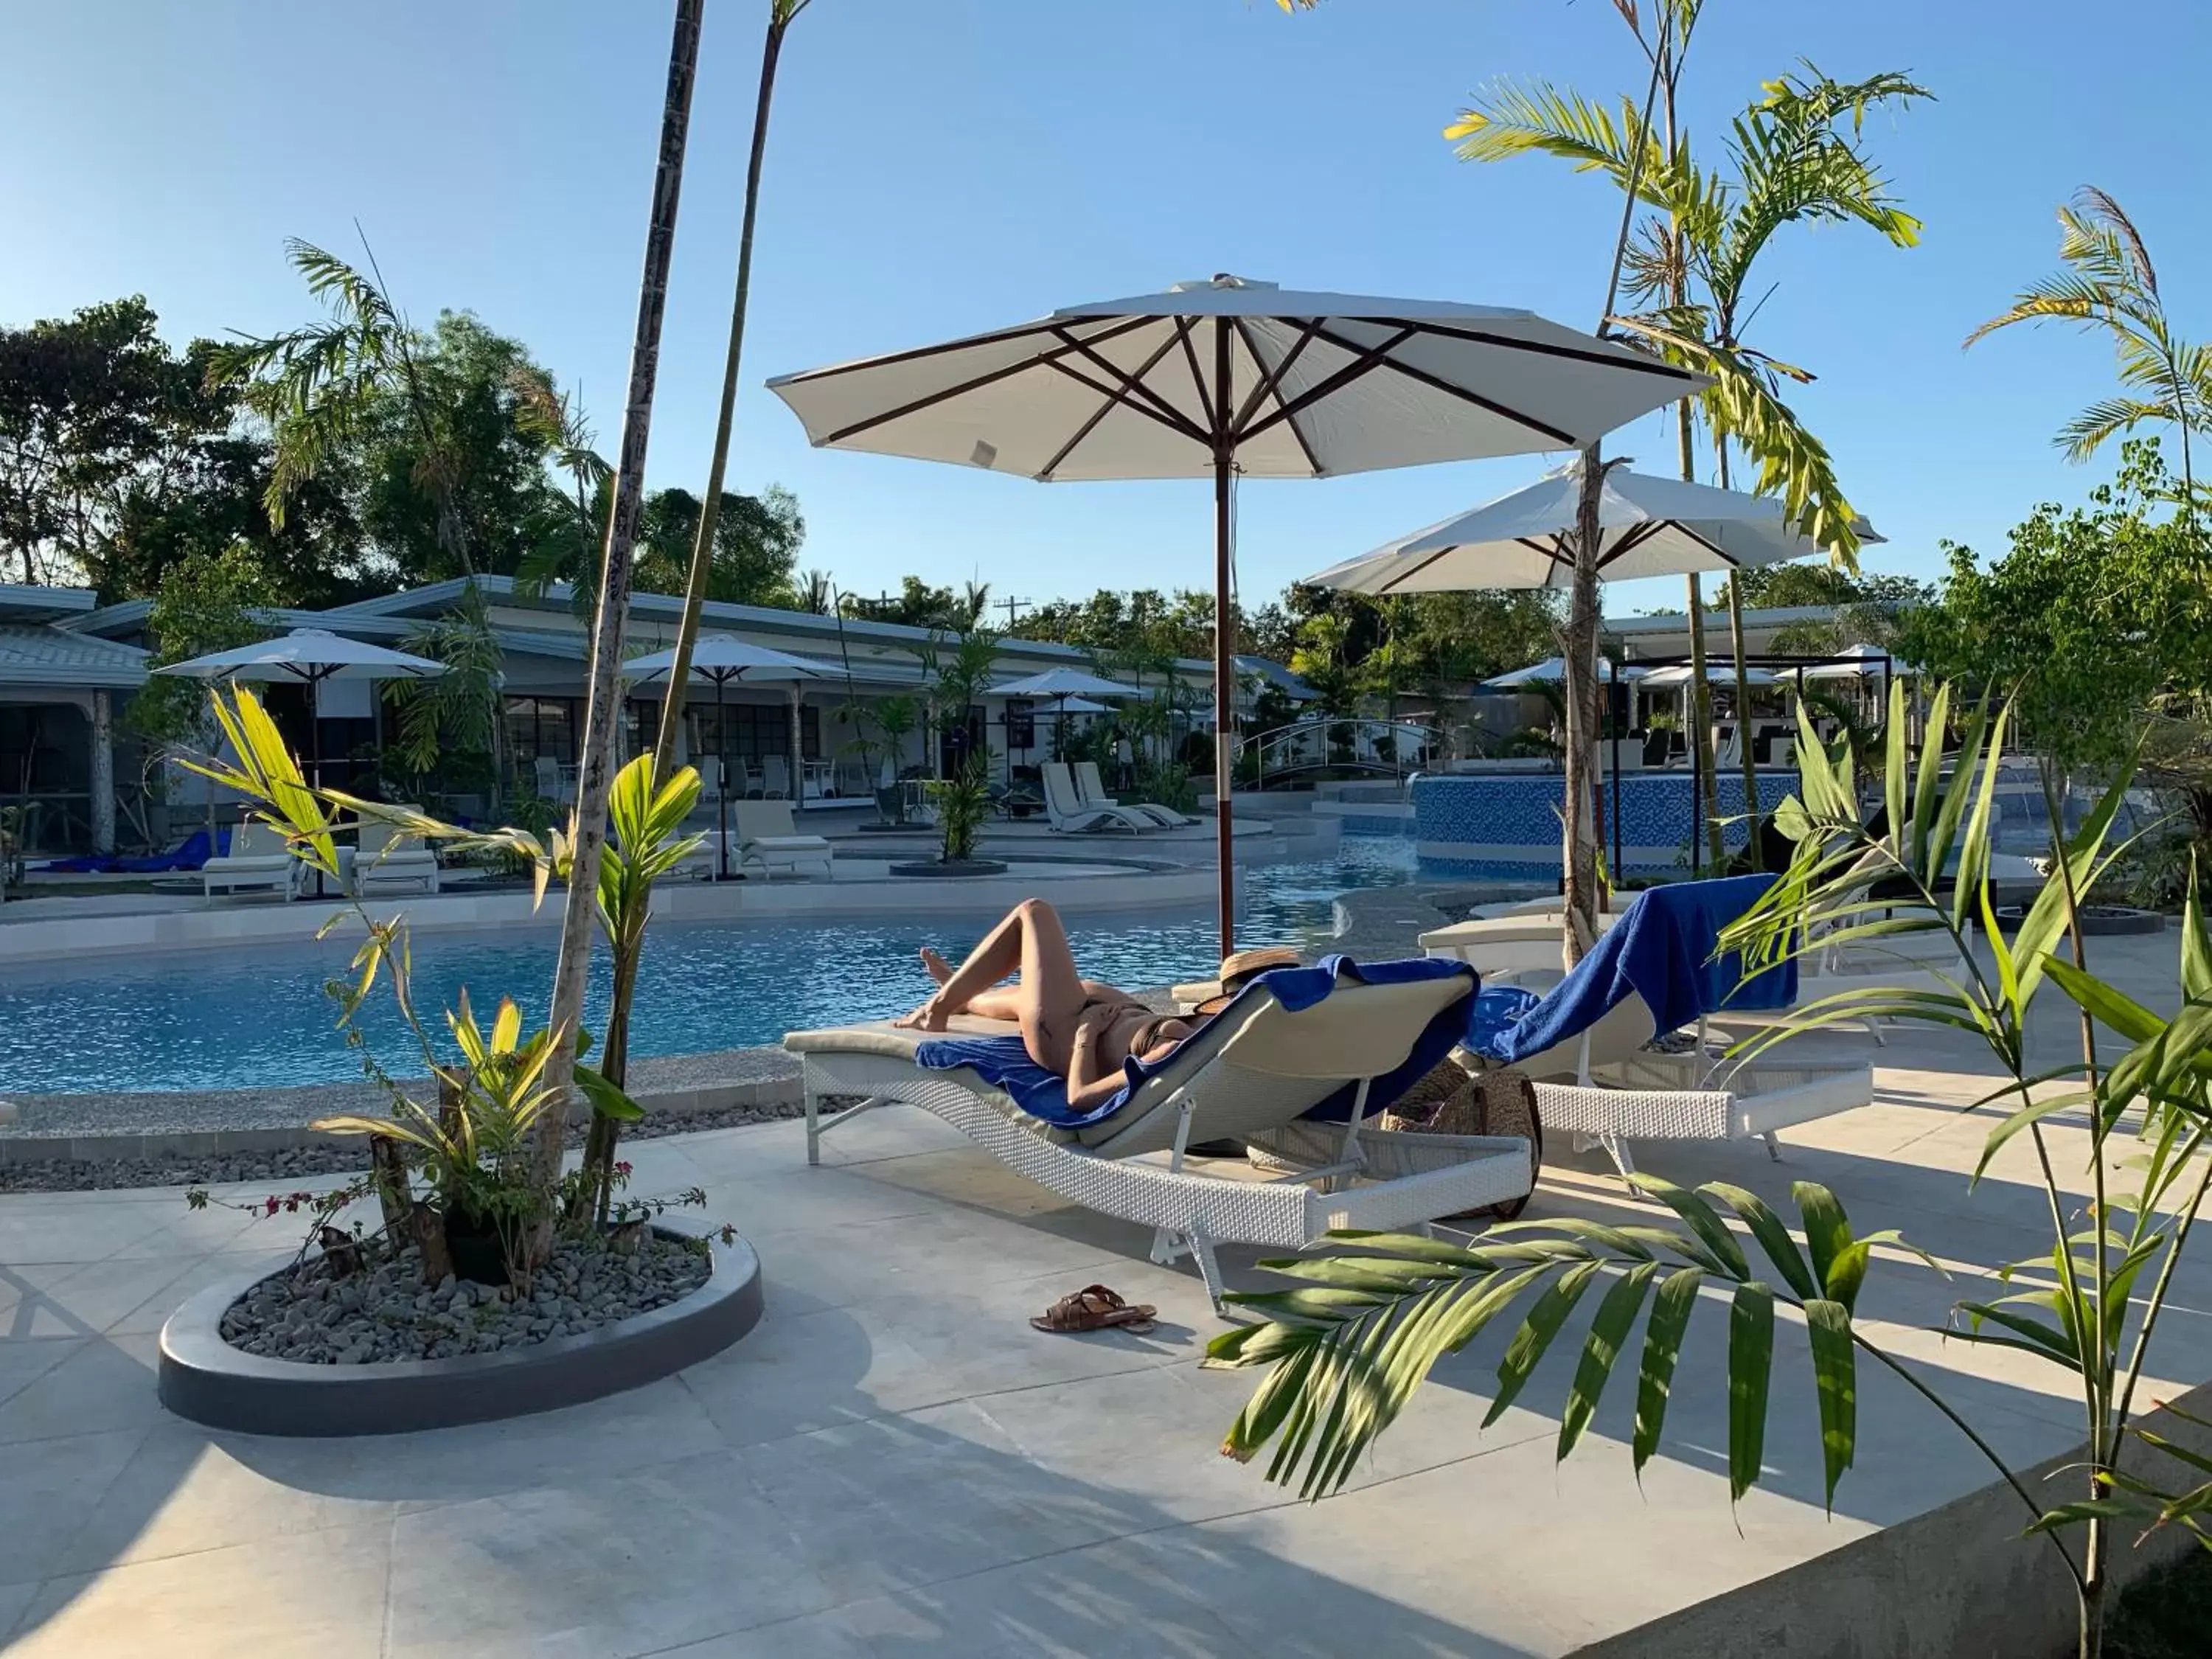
(1239, 970)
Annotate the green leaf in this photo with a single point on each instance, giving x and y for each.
(1828, 1234)
(1750, 1366)
(1609, 1332)
(1702, 1220)
(1828, 1324)
(607, 1099)
(1767, 1227)
(1662, 1347)
(2047, 1340)
(1536, 1335)
(2122, 1013)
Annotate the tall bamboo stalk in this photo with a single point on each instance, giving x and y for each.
(596, 771)
(780, 13)
(1668, 56)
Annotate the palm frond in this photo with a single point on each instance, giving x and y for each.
(2106, 418)
(1364, 1325)
(1540, 118)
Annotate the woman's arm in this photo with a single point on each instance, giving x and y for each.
(1089, 1081)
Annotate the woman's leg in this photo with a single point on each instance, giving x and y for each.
(1030, 943)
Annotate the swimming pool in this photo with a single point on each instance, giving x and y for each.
(236, 1019)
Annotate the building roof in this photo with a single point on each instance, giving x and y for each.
(668, 608)
(19, 604)
(36, 654)
(1275, 674)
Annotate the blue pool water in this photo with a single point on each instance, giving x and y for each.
(228, 1020)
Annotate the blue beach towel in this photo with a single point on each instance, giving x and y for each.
(1663, 949)
(1003, 1062)
(190, 853)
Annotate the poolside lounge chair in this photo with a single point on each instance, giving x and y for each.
(775, 778)
(1254, 1068)
(765, 835)
(389, 859)
(1653, 973)
(1091, 789)
(1066, 810)
(258, 862)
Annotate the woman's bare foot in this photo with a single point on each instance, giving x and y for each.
(930, 1017)
(936, 966)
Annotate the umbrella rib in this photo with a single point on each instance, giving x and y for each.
(1713, 548)
(1113, 401)
(1005, 371)
(1395, 582)
(1634, 361)
(1365, 362)
(1184, 331)
(1635, 537)
(1044, 325)
(1132, 384)
(1273, 382)
(1566, 439)
(1550, 551)
(1173, 419)
(1271, 379)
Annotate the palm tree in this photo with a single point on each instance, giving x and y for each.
(579, 910)
(817, 592)
(1795, 157)
(2111, 284)
(781, 15)
(317, 386)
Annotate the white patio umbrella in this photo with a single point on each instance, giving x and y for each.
(1859, 662)
(1649, 526)
(1716, 673)
(1553, 670)
(1071, 689)
(310, 656)
(720, 657)
(1227, 377)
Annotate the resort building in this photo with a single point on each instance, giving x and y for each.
(68, 667)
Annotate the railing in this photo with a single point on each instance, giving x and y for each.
(1393, 748)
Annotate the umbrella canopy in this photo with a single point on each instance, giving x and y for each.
(1864, 660)
(1553, 670)
(311, 654)
(717, 658)
(1213, 378)
(1650, 527)
(1080, 706)
(1063, 682)
(1719, 673)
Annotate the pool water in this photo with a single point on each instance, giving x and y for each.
(238, 1019)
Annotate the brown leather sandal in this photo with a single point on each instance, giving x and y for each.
(1095, 1308)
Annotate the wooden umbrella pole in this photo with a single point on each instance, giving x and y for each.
(1224, 649)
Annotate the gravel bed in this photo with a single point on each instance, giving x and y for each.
(194, 1111)
(314, 1315)
(290, 1163)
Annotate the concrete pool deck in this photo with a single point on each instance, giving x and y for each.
(895, 1464)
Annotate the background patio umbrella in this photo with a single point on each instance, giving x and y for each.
(1858, 661)
(1071, 688)
(1553, 670)
(1647, 526)
(1219, 378)
(720, 658)
(310, 656)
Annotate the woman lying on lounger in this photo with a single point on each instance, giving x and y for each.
(1074, 1026)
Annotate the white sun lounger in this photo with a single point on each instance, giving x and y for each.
(1091, 787)
(766, 835)
(1254, 1070)
(258, 862)
(1067, 811)
(389, 859)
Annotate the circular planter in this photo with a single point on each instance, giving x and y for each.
(952, 867)
(2095, 919)
(203, 1377)
(879, 827)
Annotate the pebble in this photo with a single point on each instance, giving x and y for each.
(291, 1163)
(305, 1313)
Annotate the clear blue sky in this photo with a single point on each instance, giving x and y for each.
(937, 166)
